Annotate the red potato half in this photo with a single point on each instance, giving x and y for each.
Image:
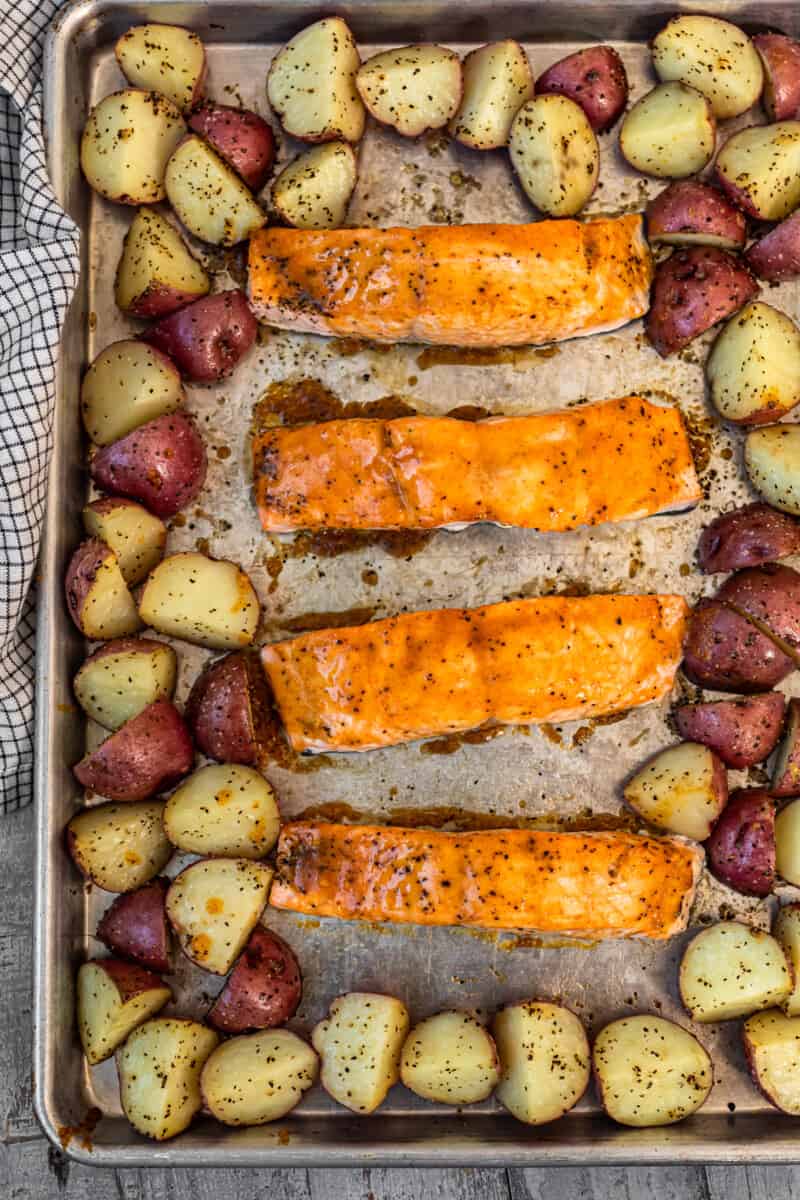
(159, 1070)
(413, 89)
(759, 168)
(772, 1049)
(742, 732)
(595, 78)
(776, 255)
(780, 58)
(263, 989)
(213, 906)
(554, 151)
(119, 847)
(772, 462)
(126, 144)
(311, 85)
(162, 464)
(97, 595)
(209, 601)
(731, 970)
(726, 652)
(128, 384)
(241, 137)
(786, 768)
(689, 212)
(208, 197)
(359, 1044)
(156, 273)
(208, 338)
(135, 926)
(227, 707)
(713, 56)
(146, 755)
(747, 537)
(741, 848)
(532, 1037)
(113, 997)
(670, 133)
(769, 596)
(786, 928)
(682, 789)
(258, 1078)
(136, 536)
(693, 290)
(164, 58)
(120, 679)
(497, 80)
(450, 1058)
(753, 369)
(227, 810)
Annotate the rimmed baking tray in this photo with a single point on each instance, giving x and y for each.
(572, 772)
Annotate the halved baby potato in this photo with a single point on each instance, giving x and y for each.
(313, 192)
(786, 929)
(159, 1074)
(670, 132)
(544, 1060)
(119, 846)
(164, 58)
(759, 168)
(126, 144)
(205, 600)
(682, 789)
(113, 997)
(97, 595)
(554, 152)
(128, 384)
(230, 811)
(156, 273)
(412, 89)
(146, 755)
(713, 56)
(359, 1043)
(780, 58)
(593, 77)
(689, 213)
(213, 905)
(772, 462)
(450, 1058)
(772, 1048)
(730, 970)
(311, 84)
(208, 196)
(258, 1077)
(787, 843)
(753, 370)
(136, 536)
(497, 82)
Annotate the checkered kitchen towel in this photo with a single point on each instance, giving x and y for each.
(38, 273)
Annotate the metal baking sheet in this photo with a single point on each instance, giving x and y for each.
(570, 773)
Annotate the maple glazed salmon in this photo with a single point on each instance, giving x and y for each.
(423, 674)
(612, 461)
(598, 885)
(462, 285)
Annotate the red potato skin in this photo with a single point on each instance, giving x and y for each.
(264, 988)
(747, 537)
(135, 926)
(242, 138)
(159, 300)
(147, 755)
(786, 772)
(780, 56)
(162, 464)
(770, 596)
(124, 645)
(725, 652)
(694, 289)
(131, 980)
(688, 206)
(81, 573)
(208, 338)
(226, 708)
(595, 79)
(776, 255)
(741, 849)
(741, 732)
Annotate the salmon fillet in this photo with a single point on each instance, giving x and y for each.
(422, 674)
(462, 285)
(597, 885)
(613, 461)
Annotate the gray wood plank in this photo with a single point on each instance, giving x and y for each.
(753, 1183)
(16, 902)
(609, 1183)
(409, 1184)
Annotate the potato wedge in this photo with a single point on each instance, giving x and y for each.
(241, 137)
(257, 1078)
(313, 192)
(413, 89)
(359, 1044)
(741, 732)
(97, 595)
(227, 811)
(497, 82)
(786, 768)
(595, 78)
(772, 1048)
(135, 926)
(264, 988)
(544, 1060)
(759, 168)
(724, 651)
(786, 928)
(787, 843)
(126, 144)
(208, 196)
(163, 464)
(780, 58)
(119, 847)
(747, 537)
(776, 254)
(163, 58)
(113, 997)
(714, 57)
(753, 370)
(156, 273)
(450, 1058)
(769, 596)
(159, 1075)
(555, 154)
(207, 338)
(227, 708)
(730, 970)
(689, 213)
(205, 600)
(650, 1071)
(311, 85)
(213, 906)
(146, 755)
(772, 461)
(136, 536)
(122, 677)
(128, 384)
(682, 790)
(694, 289)
(670, 132)
(741, 849)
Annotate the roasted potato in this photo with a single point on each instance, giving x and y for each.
(497, 81)
(163, 464)
(359, 1044)
(776, 254)
(240, 137)
(741, 848)
(313, 192)
(759, 168)
(786, 768)
(450, 1058)
(747, 537)
(544, 1060)
(156, 273)
(126, 144)
(136, 536)
(670, 132)
(554, 152)
(258, 1078)
(772, 1049)
(227, 707)
(97, 595)
(229, 811)
(595, 78)
(730, 970)
(780, 59)
(753, 370)
(787, 843)
(311, 84)
(263, 989)
(113, 997)
(689, 213)
(413, 88)
(208, 196)
(159, 1075)
(713, 56)
(208, 338)
(772, 461)
(786, 928)
(650, 1071)
(164, 58)
(741, 732)
(213, 906)
(769, 596)
(693, 290)
(122, 677)
(725, 651)
(135, 926)
(119, 847)
(682, 789)
(146, 755)
(128, 384)
(205, 600)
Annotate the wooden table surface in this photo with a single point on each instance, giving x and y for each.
(31, 1169)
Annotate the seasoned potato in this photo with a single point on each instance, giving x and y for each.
(693, 290)
(670, 132)
(126, 144)
(730, 970)
(208, 196)
(786, 928)
(741, 849)
(128, 384)
(742, 732)
(136, 536)
(227, 707)
(359, 1044)
(555, 154)
(450, 1058)
(146, 755)
(119, 846)
(772, 1048)
(726, 652)
(207, 338)
(772, 461)
(689, 213)
(241, 137)
(165, 59)
(595, 78)
(769, 596)
(544, 1060)
(747, 537)
(213, 906)
(412, 89)
(263, 989)
(122, 677)
(753, 370)
(759, 168)
(135, 926)
(497, 82)
(714, 57)
(786, 768)
(257, 1078)
(97, 595)
(682, 790)
(113, 997)
(780, 58)
(311, 84)
(650, 1071)
(162, 464)
(159, 1075)
(787, 843)
(313, 192)
(776, 254)
(200, 599)
(156, 273)
(229, 811)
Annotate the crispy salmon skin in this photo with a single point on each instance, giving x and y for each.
(460, 285)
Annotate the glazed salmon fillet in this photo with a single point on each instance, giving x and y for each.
(461, 285)
(423, 674)
(613, 461)
(598, 885)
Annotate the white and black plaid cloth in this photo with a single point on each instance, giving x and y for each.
(39, 266)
